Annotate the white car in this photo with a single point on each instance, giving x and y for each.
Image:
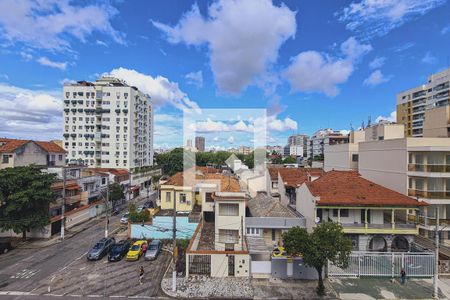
(124, 219)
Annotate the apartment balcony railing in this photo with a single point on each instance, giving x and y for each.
(430, 221)
(429, 168)
(429, 194)
(418, 103)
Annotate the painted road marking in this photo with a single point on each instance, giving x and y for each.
(25, 274)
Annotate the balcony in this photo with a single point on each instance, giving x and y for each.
(385, 228)
(429, 168)
(429, 194)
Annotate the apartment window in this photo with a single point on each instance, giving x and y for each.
(344, 213)
(228, 209)
(253, 232)
(208, 197)
(118, 95)
(60, 157)
(228, 236)
(182, 198)
(168, 196)
(125, 95)
(103, 180)
(355, 157)
(5, 159)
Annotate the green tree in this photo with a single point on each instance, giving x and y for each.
(25, 196)
(325, 242)
(115, 193)
(289, 160)
(277, 160)
(170, 162)
(136, 217)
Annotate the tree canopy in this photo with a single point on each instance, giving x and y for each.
(325, 243)
(289, 160)
(172, 162)
(115, 193)
(25, 196)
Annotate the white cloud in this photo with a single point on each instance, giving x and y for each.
(391, 118)
(243, 38)
(376, 78)
(311, 71)
(231, 140)
(30, 114)
(429, 59)
(101, 43)
(249, 126)
(377, 62)
(26, 55)
(67, 81)
(48, 24)
(52, 64)
(370, 18)
(195, 78)
(445, 30)
(160, 89)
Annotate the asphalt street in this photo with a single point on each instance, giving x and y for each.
(63, 270)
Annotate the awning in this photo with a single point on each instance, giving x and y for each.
(134, 188)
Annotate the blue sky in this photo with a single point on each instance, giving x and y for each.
(312, 64)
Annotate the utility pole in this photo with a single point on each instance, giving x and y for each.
(242, 232)
(175, 252)
(63, 204)
(106, 206)
(436, 262)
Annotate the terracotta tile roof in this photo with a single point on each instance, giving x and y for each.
(10, 145)
(348, 188)
(227, 183)
(50, 147)
(293, 177)
(70, 184)
(117, 172)
(273, 172)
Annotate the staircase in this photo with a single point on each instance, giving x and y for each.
(194, 215)
(429, 244)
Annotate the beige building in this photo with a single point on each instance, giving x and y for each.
(191, 190)
(343, 157)
(424, 109)
(373, 216)
(218, 247)
(417, 167)
(17, 153)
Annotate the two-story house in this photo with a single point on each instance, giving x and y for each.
(374, 217)
(16, 153)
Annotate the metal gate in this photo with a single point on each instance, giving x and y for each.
(385, 264)
(199, 264)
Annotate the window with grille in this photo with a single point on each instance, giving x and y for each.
(228, 209)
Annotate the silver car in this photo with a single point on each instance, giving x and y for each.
(124, 219)
(153, 250)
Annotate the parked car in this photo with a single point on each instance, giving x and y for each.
(118, 250)
(154, 248)
(5, 246)
(149, 204)
(100, 249)
(135, 251)
(124, 219)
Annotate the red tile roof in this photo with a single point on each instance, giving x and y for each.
(293, 177)
(50, 147)
(227, 183)
(348, 188)
(12, 145)
(117, 172)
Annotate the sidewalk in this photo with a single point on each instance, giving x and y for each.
(69, 233)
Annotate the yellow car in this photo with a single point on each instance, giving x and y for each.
(278, 252)
(136, 251)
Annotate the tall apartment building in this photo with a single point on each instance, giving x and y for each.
(323, 137)
(299, 140)
(200, 143)
(108, 124)
(424, 109)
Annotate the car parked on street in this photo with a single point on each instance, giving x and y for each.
(154, 248)
(136, 251)
(100, 249)
(118, 250)
(5, 246)
(124, 219)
